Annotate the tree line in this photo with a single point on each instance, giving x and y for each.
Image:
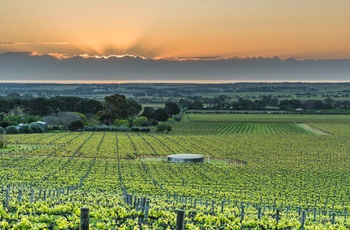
(14, 105)
(115, 113)
(225, 102)
(327, 103)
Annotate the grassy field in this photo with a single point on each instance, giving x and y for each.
(266, 163)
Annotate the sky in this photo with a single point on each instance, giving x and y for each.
(182, 29)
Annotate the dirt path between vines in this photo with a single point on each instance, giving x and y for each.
(313, 129)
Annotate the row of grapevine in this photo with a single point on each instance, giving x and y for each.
(228, 127)
(281, 180)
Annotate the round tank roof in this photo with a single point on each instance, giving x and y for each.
(185, 158)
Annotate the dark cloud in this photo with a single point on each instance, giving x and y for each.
(25, 66)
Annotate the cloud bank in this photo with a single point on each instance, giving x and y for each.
(25, 66)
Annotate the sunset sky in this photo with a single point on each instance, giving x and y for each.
(303, 29)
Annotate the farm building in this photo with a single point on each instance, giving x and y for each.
(185, 158)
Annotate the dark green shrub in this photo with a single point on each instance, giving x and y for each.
(154, 122)
(25, 129)
(120, 122)
(145, 129)
(135, 129)
(11, 130)
(37, 128)
(5, 124)
(122, 128)
(178, 117)
(76, 126)
(90, 128)
(101, 128)
(141, 121)
(163, 127)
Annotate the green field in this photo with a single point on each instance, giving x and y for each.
(255, 124)
(300, 118)
(260, 167)
(226, 127)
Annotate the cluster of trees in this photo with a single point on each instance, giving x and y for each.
(118, 106)
(116, 113)
(161, 114)
(6, 120)
(220, 102)
(23, 129)
(14, 104)
(224, 102)
(328, 103)
(194, 104)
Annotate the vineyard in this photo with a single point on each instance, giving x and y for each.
(227, 127)
(300, 118)
(250, 124)
(259, 175)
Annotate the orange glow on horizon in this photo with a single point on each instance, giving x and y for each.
(166, 30)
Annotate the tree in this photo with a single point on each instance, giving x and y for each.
(37, 128)
(290, 104)
(39, 106)
(5, 124)
(246, 104)
(184, 103)
(121, 122)
(2, 115)
(142, 121)
(148, 112)
(196, 105)
(134, 108)
(172, 108)
(68, 103)
(313, 104)
(15, 105)
(163, 127)
(5, 105)
(273, 102)
(31, 118)
(89, 106)
(117, 106)
(61, 119)
(2, 138)
(82, 117)
(25, 129)
(160, 114)
(328, 103)
(93, 119)
(76, 125)
(11, 130)
(259, 104)
(25, 104)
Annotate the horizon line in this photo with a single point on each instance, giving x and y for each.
(60, 56)
(94, 82)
